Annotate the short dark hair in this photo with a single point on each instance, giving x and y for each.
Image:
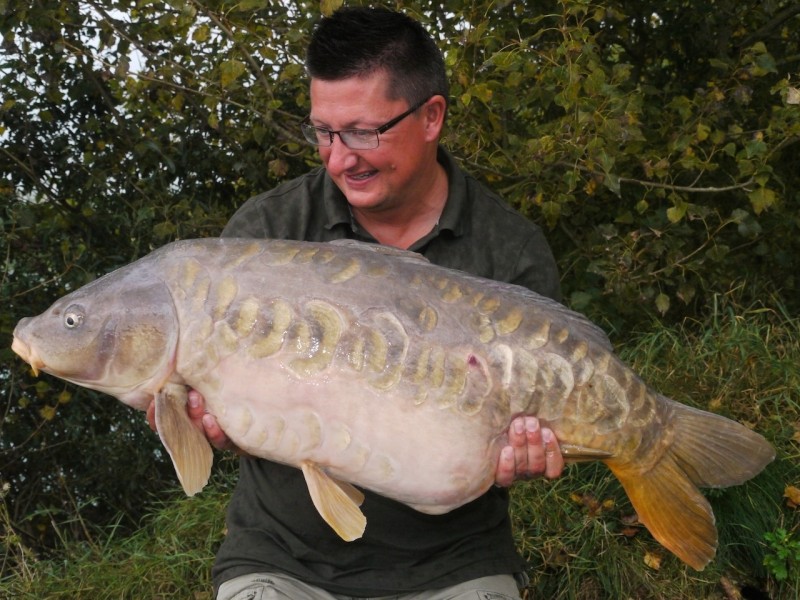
(357, 41)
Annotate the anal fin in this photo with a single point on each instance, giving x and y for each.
(336, 501)
(187, 446)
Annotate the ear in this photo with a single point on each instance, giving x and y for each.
(434, 112)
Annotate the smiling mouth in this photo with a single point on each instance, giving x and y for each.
(362, 176)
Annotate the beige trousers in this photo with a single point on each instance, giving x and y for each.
(273, 586)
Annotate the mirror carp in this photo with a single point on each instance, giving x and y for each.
(367, 366)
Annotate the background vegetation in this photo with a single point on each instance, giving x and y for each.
(657, 142)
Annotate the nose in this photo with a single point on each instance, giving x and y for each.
(337, 157)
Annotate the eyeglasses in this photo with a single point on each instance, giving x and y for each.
(355, 139)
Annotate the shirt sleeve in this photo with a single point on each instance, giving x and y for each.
(536, 268)
(248, 221)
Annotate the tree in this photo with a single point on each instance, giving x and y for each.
(661, 157)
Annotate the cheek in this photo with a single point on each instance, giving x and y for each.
(140, 352)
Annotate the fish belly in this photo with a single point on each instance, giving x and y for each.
(431, 460)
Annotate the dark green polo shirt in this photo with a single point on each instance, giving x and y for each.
(478, 232)
(272, 524)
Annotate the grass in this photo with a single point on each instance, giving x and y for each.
(578, 533)
(168, 558)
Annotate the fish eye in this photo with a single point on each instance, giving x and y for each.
(73, 317)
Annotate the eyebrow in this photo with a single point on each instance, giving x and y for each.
(350, 125)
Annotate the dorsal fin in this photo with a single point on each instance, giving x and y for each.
(380, 249)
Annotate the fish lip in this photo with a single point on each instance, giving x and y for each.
(27, 354)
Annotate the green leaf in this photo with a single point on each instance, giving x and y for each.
(482, 92)
(718, 252)
(611, 181)
(122, 68)
(686, 292)
(328, 7)
(625, 218)
(202, 33)
(250, 5)
(230, 71)
(682, 105)
(755, 147)
(580, 300)
(765, 63)
(504, 60)
(291, 72)
(662, 303)
(761, 199)
(677, 212)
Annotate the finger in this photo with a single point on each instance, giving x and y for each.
(214, 432)
(196, 405)
(516, 433)
(532, 462)
(553, 458)
(506, 467)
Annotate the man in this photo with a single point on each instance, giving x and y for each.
(378, 100)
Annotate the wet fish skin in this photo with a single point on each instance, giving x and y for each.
(349, 361)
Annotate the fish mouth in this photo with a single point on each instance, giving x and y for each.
(27, 354)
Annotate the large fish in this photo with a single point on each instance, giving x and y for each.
(367, 366)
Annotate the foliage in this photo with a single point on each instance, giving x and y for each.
(659, 136)
(784, 557)
(656, 143)
(658, 140)
(168, 557)
(578, 533)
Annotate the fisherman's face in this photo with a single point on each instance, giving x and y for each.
(378, 178)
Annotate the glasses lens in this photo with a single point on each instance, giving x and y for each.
(355, 139)
(316, 135)
(359, 139)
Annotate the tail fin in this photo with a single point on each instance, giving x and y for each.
(707, 450)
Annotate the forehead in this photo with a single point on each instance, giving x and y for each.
(344, 102)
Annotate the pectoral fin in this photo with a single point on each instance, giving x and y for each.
(573, 453)
(188, 448)
(336, 501)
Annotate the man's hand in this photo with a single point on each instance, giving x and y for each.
(196, 408)
(532, 451)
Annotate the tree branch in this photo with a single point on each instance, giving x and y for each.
(791, 10)
(254, 66)
(629, 180)
(37, 183)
